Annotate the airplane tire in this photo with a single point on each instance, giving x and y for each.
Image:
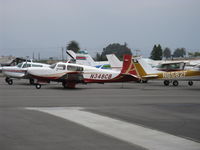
(138, 81)
(7, 79)
(38, 86)
(144, 81)
(166, 82)
(175, 83)
(190, 83)
(70, 85)
(31, 81)
(10, 82)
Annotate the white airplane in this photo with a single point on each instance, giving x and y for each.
(19, 71)
(71, 74)
(86, 59)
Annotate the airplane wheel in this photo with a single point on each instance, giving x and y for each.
(138, 81)
(144, 81)
(10, 82)
(70, 85)
(31, 81)
(38, 86)
(175, 83)
(166, 82)
(190, 83)
(6, 79)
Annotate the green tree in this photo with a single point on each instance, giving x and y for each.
(74, 46)
(167, 53)
(117, 49)
(179, 52)
(98, 57)
(195, 54)
(156, 53)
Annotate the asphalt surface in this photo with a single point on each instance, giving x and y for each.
(173, 110)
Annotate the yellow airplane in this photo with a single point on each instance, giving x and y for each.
(146, 72)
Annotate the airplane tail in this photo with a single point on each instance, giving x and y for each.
(114, 62)
(71, 54)
(143, 68)
(128, 66)
(82, 59)
(90, 60)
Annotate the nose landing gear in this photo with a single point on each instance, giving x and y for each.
(38, 86)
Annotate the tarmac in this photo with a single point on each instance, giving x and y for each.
(113, 116)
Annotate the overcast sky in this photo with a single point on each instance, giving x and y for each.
(46, 25)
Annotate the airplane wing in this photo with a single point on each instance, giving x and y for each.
(73, 76)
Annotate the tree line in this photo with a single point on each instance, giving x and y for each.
(157, 53)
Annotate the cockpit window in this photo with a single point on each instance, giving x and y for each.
(74, 68)
(26, 65)
(34, 65)
(19, 65)
(60, 67)
(53, 66)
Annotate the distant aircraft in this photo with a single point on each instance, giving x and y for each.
(83, 58)
(71, 74)
(146, 72)
(19, 71)
(114, 62)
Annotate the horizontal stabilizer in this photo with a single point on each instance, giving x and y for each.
(150, 76)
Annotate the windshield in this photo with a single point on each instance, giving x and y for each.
(19, 65)
(53, 66)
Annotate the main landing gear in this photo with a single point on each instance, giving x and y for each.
(69, 85)
(190, 83)
(167, 82)
(9, 81)
(175, 83)
(31, 81)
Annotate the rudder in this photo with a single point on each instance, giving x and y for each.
(128, 66)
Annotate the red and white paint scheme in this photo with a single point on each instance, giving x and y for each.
(19, 71)
(71, 74)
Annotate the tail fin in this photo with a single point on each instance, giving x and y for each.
(142, 67)
(82, 59)
(128, 66)
(90, 60)
(71, 54)
(114, 62)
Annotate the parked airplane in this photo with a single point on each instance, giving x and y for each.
(85, 59)
(71, 74)
(146, 72)
(19, 71)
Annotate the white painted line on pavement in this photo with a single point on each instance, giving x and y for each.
(132, 133)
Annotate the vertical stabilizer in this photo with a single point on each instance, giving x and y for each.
(114, 62)
(71, 54)
(128, 66)
(143, 67)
